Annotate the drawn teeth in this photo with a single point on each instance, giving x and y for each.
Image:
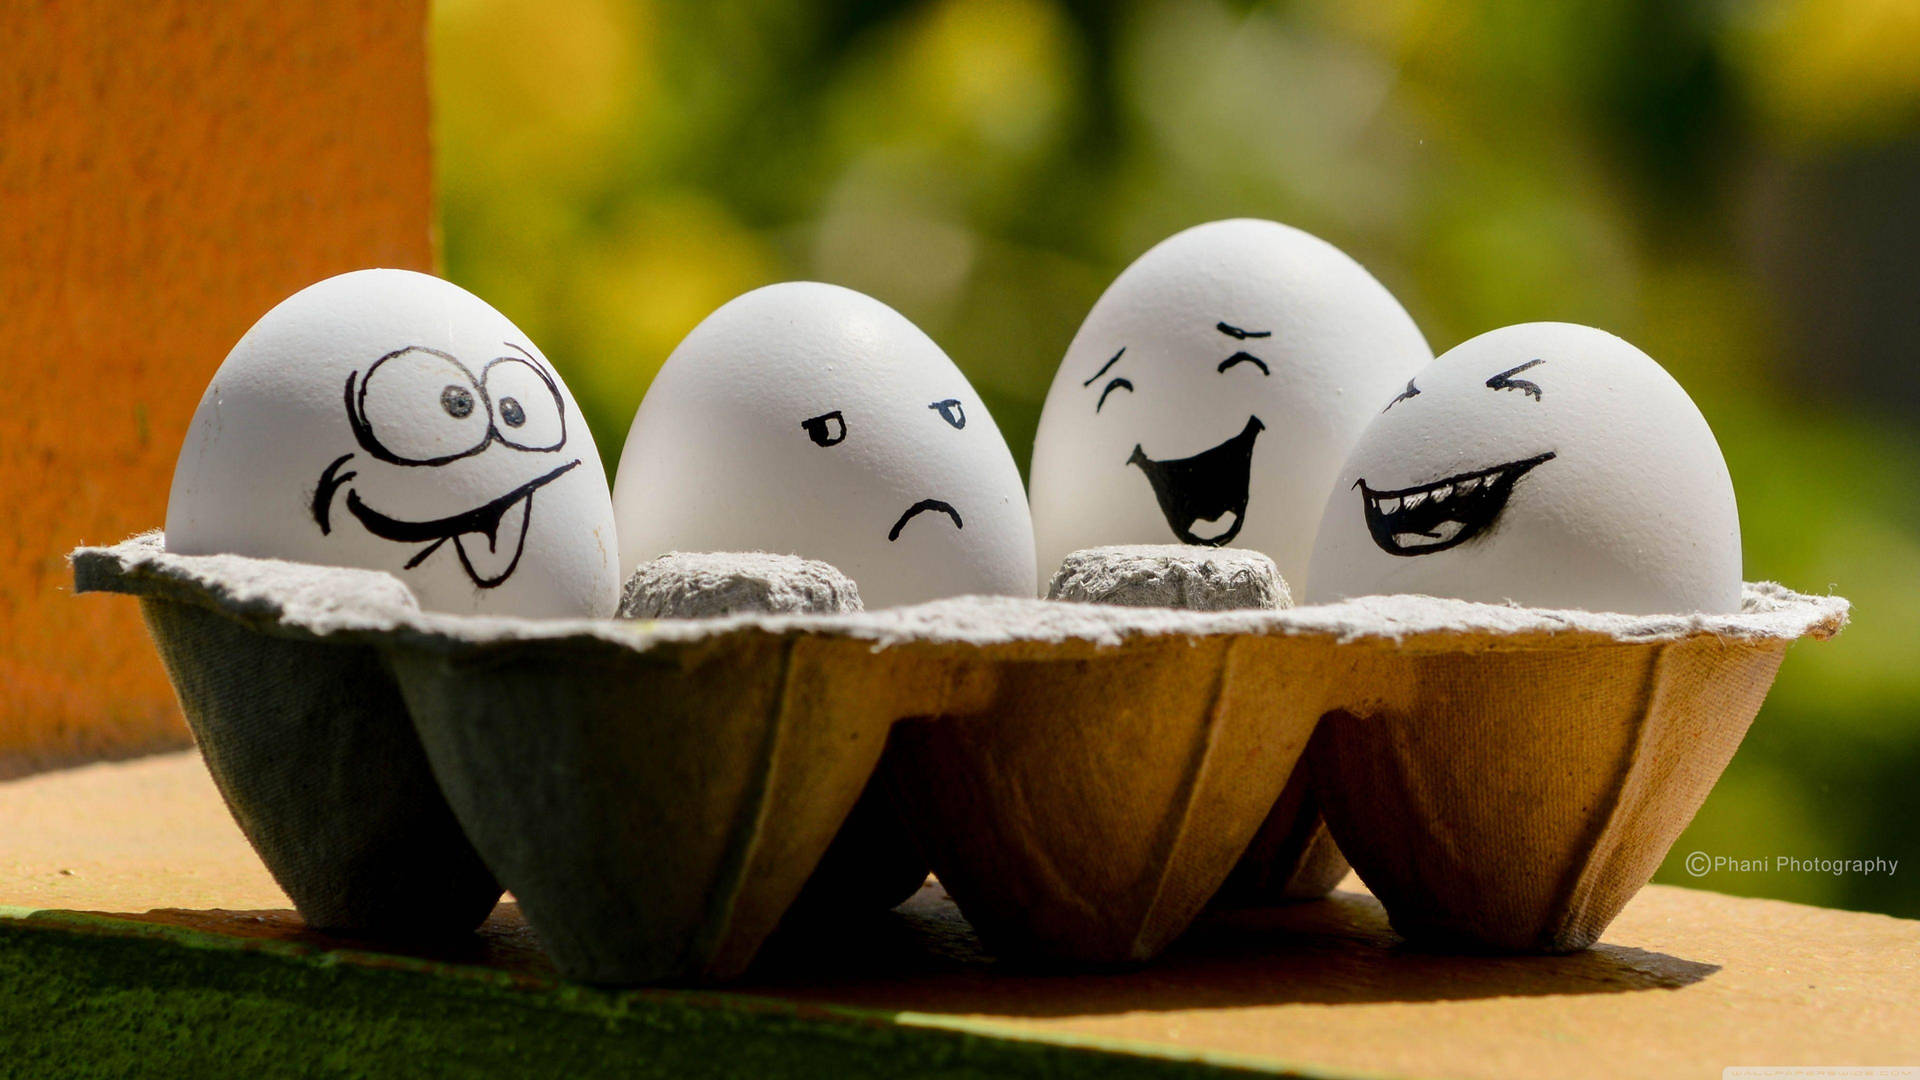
(1388, 506)
(1440, 493)
(1465, 487)
(1416, 499)
(1492, 476)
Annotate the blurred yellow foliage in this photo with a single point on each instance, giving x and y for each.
(1735, 187)
(1826, 69)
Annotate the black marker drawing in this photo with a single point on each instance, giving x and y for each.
(482, 521)
(1446, 513)
(1410, 392)
(1244, 358)
(827, 429)
(1239, 334)
(1105, 366)
(921, 507)
(1118, 383)
(513, 402)
(1206, 487)
(1506, 381)
(951, 411)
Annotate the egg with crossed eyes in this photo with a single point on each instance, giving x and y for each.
(808, 419)
(1213, 391)
(390, 420)
(1546, 464)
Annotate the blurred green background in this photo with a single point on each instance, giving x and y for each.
(1733, 187)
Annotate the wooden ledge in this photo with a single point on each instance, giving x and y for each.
(197, 935)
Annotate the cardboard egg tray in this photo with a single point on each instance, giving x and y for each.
(1083, 778)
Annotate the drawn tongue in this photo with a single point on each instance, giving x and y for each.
(492, 558)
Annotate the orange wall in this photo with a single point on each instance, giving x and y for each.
(169, 169)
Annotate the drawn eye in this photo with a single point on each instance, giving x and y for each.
(529, 412)
(951, 412)
(1244, 358)
(457, 400)
(827, 429)
(418, 406)
(1506, 381)
(1116, 384)
(1410, 391)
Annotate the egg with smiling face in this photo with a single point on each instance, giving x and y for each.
(1546, 464)
(390, 420)
(1212, 393)
(808, 419)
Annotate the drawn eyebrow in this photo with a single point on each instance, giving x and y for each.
(1238, 334)
(522, 352)
(1116, 384)
(1103, 368)
(1244, 358)
(1506, 381)
(1410, 391)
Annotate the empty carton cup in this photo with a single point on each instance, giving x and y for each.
(1512, 790)
(872, 863)
(306, 737)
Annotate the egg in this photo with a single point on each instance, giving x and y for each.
(1212, 393)
(390, 420)
(1547, 464)
(808, 419)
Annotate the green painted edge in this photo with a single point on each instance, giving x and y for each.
(92, 994)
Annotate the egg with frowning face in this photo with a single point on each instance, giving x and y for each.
(808, 419)
(1546, 464)
(1213, 391)
(391, 420)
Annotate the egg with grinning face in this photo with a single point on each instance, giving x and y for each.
(1546, 464)
(808, 419)
(1213, 391)
(390, 420)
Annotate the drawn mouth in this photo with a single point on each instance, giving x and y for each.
(1443, 514)
(1204, 497)
(919, 508)
(488, 538)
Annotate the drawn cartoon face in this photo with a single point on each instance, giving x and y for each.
(513, 403)
(427, 424)
(811, 420)
(1549, 464)
(1212, 393)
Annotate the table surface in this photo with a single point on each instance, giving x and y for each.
(1684, 983)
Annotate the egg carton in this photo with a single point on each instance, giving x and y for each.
(1082, 777)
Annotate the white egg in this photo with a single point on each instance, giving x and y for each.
(807, 419)
(394, 421)
(1548, 464)
(1212, 393)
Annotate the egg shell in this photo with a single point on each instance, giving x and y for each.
(1257, 345)
(390, 420)
(1546, 464)
(808, 419)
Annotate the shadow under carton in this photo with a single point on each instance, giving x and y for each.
(1083, 777)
